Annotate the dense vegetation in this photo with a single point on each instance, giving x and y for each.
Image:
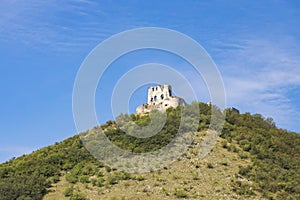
(172, 127)
(275, 154)
(274, 170)
(141, 145)
(28, 176)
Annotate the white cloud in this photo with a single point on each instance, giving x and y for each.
(259, 75)
(40, 24)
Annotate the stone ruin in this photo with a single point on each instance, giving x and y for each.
(160, 98)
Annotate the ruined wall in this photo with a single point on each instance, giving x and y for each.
(160, 98)
(157, 94)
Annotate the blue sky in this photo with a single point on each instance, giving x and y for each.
(255, 44)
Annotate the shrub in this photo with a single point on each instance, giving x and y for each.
(242, 188)
(68, 192)
(247, 147)
(180, 193)
(84, 179)
(78, 196)
(224, 144)
(210, 166)
(244, 170)
(99, 182)
(71, 178)
(112, 180)
(139, 178)
(233, 148)
(107, 169)
(243, 155)
(55, 179)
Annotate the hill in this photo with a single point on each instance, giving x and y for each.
(252, 159)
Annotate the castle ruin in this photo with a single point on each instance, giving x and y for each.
(160, 98)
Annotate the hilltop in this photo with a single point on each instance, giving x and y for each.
(252, 159)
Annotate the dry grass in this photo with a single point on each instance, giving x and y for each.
(188, 178)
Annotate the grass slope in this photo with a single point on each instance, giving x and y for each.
(251, 160)
(189, 177)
